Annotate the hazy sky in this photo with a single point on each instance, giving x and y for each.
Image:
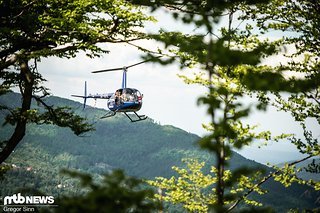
(166, 98)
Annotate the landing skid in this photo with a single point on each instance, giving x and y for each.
(140, 117)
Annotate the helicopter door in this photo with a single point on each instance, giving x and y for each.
(138, 96)
(114, 100)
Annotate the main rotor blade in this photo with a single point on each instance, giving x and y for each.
(122, 68)
(108, 70)
(132, 65)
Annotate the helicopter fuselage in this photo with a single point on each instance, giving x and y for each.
(125, 100)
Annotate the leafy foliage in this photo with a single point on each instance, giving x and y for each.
(299, 22)
(195, 190)
(63, 28)
(188, 188)
(232, 56)
(32, 30)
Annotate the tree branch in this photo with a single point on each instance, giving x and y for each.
(265, 180)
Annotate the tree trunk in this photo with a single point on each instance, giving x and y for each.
(20, 129)
(220, 173)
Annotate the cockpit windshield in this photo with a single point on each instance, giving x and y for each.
(127, 95)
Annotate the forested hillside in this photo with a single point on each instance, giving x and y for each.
(143, 149)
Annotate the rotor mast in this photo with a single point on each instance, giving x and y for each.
(124, 78)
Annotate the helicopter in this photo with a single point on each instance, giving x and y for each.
(124, 100)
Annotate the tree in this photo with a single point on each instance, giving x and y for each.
(231, 56)
(194, 189)
(298, 23)
(191, 187)
(226, 55)
(31, 30)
